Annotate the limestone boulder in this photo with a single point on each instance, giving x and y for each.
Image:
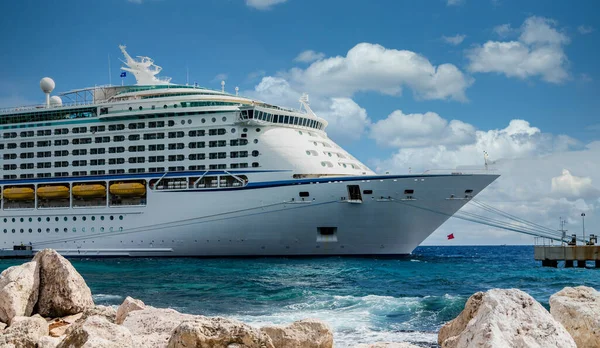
(49, 342)
(2, 327)
(62, 290)
(97, 332)
(152, 327)
(387, 345)
(578, 310)
(24, 332)
(308, 333)
(129, 305)
(218, 333)
(18, 291)
(504, 318)
(107, 312)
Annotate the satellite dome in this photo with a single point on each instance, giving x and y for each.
(47, 85)
(55, 101)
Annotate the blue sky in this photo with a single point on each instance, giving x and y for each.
(419, 84)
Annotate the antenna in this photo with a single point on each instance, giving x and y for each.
(47, 85)
(187, 76)
(109, 72)
(485, 159)
(237, 90)
(223, 86)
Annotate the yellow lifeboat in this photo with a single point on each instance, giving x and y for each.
(53, 192)
(89, 190)
(19, 193)
(129, 189)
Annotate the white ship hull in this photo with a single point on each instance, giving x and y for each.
(268, 218)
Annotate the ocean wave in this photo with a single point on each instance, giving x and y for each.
(107, 298)
(368, 319)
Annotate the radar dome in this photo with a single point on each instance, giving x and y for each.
(47, 85)
(55, 101)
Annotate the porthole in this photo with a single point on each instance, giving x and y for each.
(175, 105)
(93, 218)
(300, 132)
(67, 230)
(56, 219)
(30, 219)
(83, 229)
(30, 230)
(257, 130)
(130, 108)
(39, 230)
(182, 122)
(102, 218)
(164, 106)
(65, 218)
(344, 165)
(101, 229)
(39, 219)
(120, 229)
(21, 219)
(308, 152)
(190, 121)
(74, 229)
(93, 229)
(74, 218)
(232, 130)
(13, 230)
(203, 120)
(314, 142)
(329, 154)
(111, 229)
(48, 219)
(245, 130)
(5, 230)
(224, 119)
(21, 230)
(255, 153)
(5, 220)
(323, 164)
(84, 218)
(213, 120)
(112, 217)
(120, 217)
(47, 230)
(153, 107)
(13, 220)
(140, 107)
(256, 141)
(56, 230)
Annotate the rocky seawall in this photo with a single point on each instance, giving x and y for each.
(46, 303)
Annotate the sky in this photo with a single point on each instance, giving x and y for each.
(407, 86)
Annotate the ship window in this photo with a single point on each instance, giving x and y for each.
(304, 194)
(255, 153)
(409, 192)
(368, 192)
(255, 165)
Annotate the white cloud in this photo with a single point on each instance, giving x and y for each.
(454, 40)
(417, 130)
(455, 2)
(347, 120)
(538, 52)
(263, 4)
(220, 77)
(585, 29)
(503, 30)
(309, 56)
(570, 186)
(530, 162)
(371, 67)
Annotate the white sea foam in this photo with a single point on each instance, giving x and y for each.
(356, 319)
(107, 297)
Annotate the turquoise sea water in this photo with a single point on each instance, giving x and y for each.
(363, 299)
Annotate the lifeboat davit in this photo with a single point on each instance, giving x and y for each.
(53, 192)
(19, 193)
(89, 190)
(128, 189)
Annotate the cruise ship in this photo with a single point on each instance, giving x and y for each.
(160, 169)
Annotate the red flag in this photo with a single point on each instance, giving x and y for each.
(451, 236)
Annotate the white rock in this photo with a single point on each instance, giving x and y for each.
(578, 309)
(308, 333)
(387, 345)
(128, 305)
(49, 342)
(218, 333)
(62, 290)
(2, 327)
(97, 332)
(18, 291)
(504, 318)
(152, 327)
(107, 312)
(24, 332)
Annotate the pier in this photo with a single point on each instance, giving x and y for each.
(571, 253)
